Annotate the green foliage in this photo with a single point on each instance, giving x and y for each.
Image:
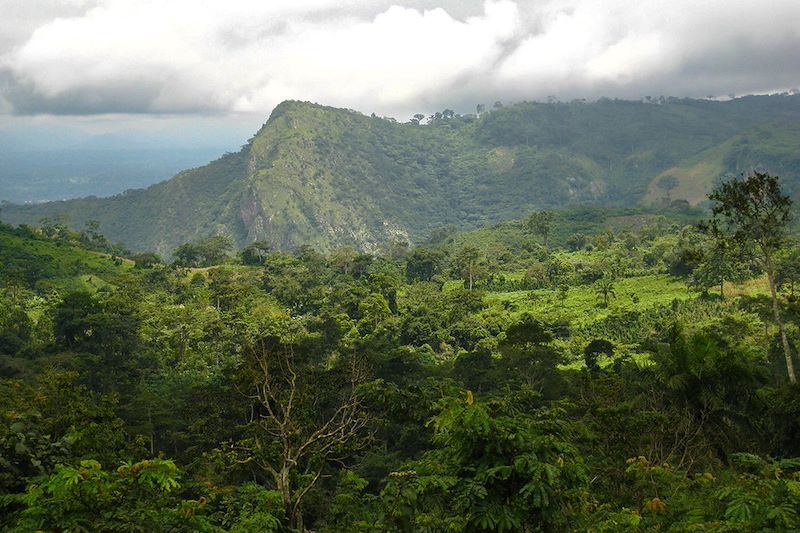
(146, 260)
(253, 508)
(541, 224)
(206, 252)
(751, 211)
(760, 495)
(719, 265)
(352, 508)
(255, 253)
(787, 266)
(136, 497)
(331, 177)
(753, 214)
(304, 391)
(604, 288)
(423, 264)
(50, 421)
(495, 468)
(30, 260)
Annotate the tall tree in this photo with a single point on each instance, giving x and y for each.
(343, 258)
(719, 265)
(467, 261)
(307, 417)
(423, 263)
(541, 223)
(753, 213)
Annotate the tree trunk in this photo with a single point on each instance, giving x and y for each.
(787, 352)
(152, 430)
(284, 487)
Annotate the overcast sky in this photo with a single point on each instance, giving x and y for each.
(101, 63)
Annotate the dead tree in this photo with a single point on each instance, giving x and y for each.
(308, 417)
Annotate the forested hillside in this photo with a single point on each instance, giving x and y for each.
(327, 177)
(617, 370)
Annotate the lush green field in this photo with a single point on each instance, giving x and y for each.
(583, 306)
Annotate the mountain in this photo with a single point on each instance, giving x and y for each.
(326, 177)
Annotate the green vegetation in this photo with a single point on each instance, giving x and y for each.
(329, 177)
(30, 258)
(577, 370)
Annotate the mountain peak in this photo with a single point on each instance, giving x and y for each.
(326, 177)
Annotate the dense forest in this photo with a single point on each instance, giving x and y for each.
(326, 177)
(578, 369)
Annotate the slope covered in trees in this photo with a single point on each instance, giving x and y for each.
(327, 177)
(575, 370)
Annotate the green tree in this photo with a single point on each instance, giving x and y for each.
(604, 288)
(374, 309)
(753, 213)
(56, 227)
(528, 358)
(468, 262)
(187, 255)
(719, 264)
(209, 251)
(593, 350)
(214, 249)
(15, 327)
(541, 223)
(255, 253)
(562, 291)
(716, 383)
(559, 271)
(502, 465)
(102, 335)
(146, 260)
(423, 264)
(141, 496)
(52, 420)
(343, 258)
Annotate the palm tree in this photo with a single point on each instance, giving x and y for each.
(604, 287)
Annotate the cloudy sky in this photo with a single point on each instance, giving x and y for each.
(102, 63)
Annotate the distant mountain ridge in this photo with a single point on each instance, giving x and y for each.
(326, 177)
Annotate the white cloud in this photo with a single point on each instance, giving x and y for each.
(150, 56)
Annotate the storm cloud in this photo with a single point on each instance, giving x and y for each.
(393, 58)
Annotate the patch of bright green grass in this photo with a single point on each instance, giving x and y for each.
(584, 306)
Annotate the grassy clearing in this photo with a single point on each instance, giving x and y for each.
(584, 306)
(695, 176)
